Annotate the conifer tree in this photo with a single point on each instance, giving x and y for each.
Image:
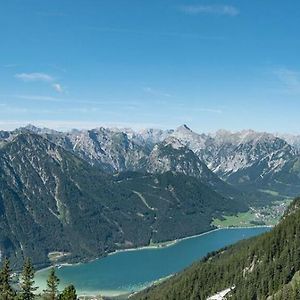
(6, 291)
(51, 293)
(69, 293)
(27, 281)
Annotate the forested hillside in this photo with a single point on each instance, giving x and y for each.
(264, 267)
(53, 201)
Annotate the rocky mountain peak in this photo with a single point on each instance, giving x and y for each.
(191, 139)
(32, 128)
(38, 130)
(183, 128)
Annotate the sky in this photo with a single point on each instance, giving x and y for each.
(138, 63)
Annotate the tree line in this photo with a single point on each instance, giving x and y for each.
(26, 288)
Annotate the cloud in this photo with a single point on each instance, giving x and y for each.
(154, 92)
(31, 77)
(40, 77)
(57, 87)
(225, 10)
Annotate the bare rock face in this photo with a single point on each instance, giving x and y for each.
(244, 159)
(173, 155)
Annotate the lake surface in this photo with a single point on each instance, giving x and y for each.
(130, 271)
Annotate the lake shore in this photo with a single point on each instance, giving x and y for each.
(174, 242)
(158, 246)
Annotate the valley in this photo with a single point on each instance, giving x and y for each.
(46, 189)
(108, 191)
(149, 150)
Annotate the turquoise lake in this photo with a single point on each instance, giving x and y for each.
(130, 271)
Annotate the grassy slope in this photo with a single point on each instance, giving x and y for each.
(240, 219)
(267, 215)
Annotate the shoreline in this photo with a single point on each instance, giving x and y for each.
(162, 245)
(170, 243)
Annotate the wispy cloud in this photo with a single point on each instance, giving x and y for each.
(225, 10)
(289, 78)
(155, 92)
(31, 77)
(41, 77)
(57, 87)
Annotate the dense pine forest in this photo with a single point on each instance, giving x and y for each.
(264, 267)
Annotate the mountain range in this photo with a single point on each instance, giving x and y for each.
(89, 192)
(54, 201)
(248, 160)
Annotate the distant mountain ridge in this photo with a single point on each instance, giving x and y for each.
(248, 160)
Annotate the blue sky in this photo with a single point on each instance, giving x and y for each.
(159, 63)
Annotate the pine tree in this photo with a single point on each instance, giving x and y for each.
(27, 282)
(69, 293)
(51, 292)
(6, 291)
